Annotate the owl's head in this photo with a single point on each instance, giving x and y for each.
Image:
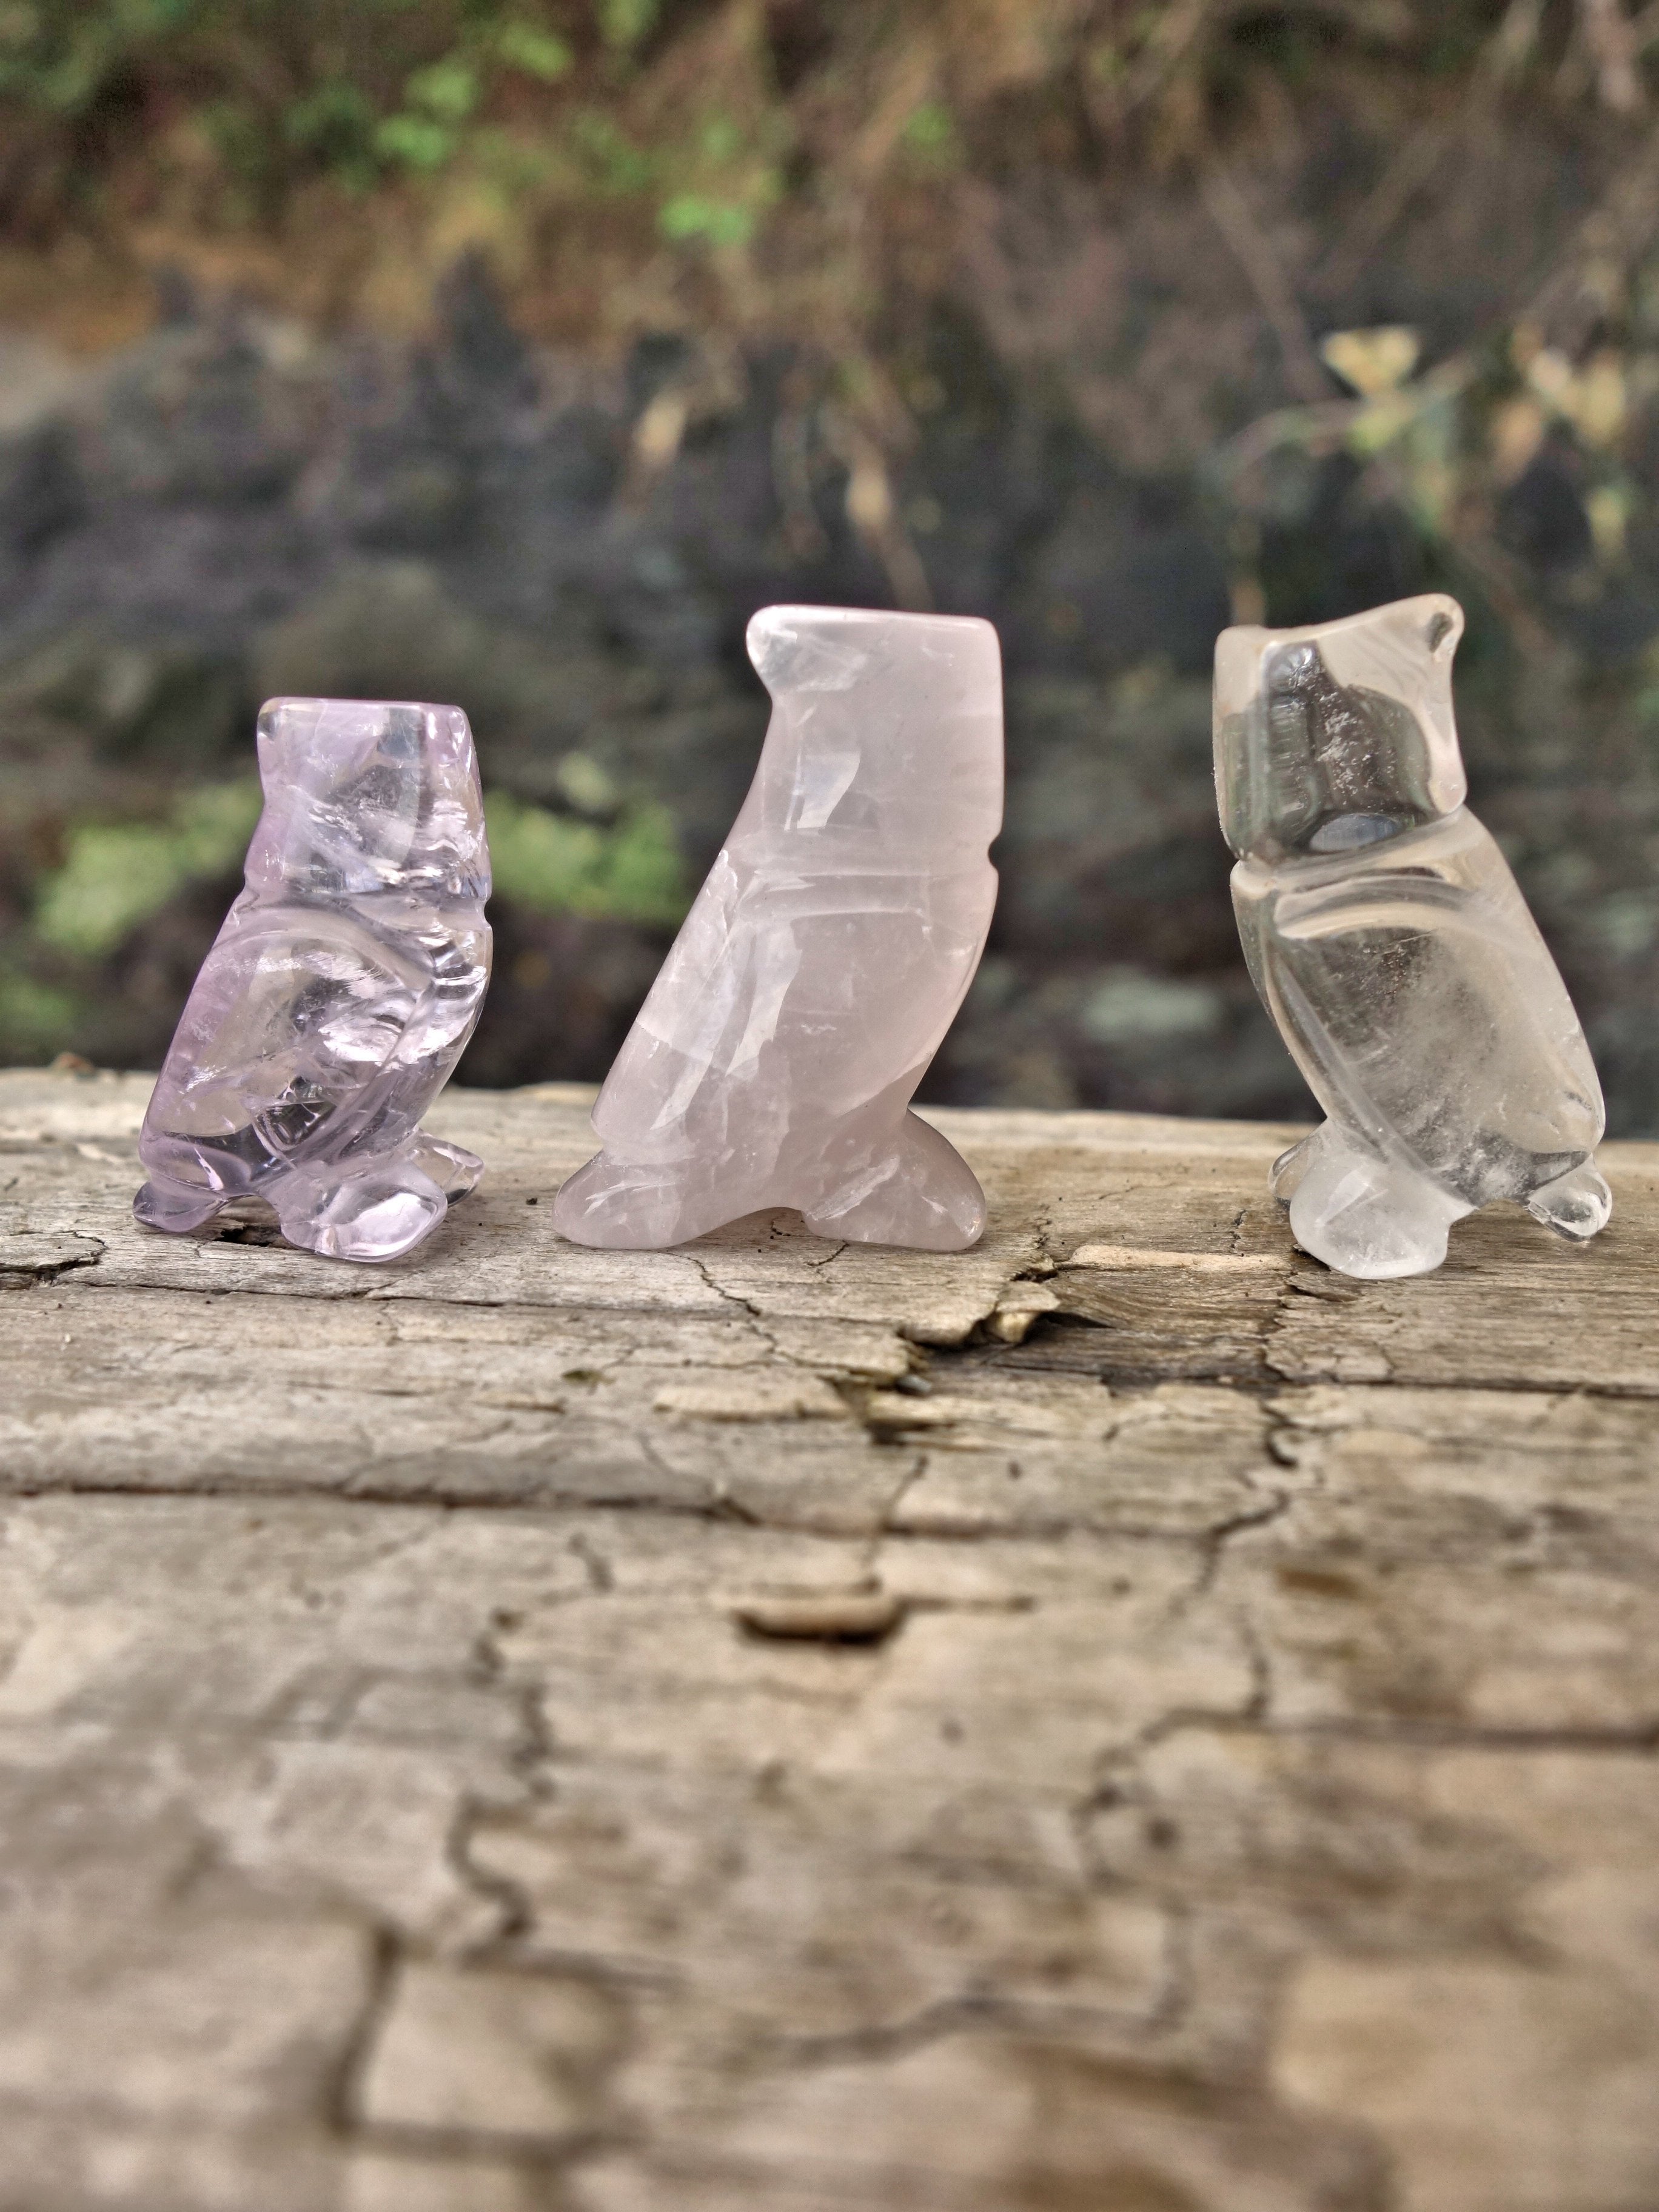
(367, 795)
(886, 732)
(1332, 736)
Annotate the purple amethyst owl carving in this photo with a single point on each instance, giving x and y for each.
(338, 995)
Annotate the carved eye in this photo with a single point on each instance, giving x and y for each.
(1291, 669)
(1439, 628)
(791, 652)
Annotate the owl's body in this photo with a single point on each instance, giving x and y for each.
(1389, 942)
(337, 996)
(774, 1062)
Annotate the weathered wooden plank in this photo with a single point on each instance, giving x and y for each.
(775, 1726)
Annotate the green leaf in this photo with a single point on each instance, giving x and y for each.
(586, 784)
(334, 120)
(114, 878)
(116, 875)
(624, 23)
(615, 162)
(931, 128)
(540, 860)
(34, 1019)
(644, 878)
(552, 864)
(448, 90)
(722, 223)
(535, 52)
(415, 140)
(212, 826)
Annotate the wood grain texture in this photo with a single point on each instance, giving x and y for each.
(1121, 1721)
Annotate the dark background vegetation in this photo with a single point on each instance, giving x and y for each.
(513, 353)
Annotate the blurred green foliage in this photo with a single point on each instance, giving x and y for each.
(222, 111)
(352, 86)
(1193, 234)
(34, 1016)
(600, 150)
(630, 870)
(712, 117)
(116, 875)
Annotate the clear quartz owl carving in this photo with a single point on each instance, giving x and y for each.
(1390, 944)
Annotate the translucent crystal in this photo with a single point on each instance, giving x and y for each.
(1390, 944)
(775, 1060)
(338, 994)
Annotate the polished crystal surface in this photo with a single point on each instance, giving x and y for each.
(338, 994)
(1390, 944)
(774, 1062)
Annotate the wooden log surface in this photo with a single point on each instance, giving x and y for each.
(1120, 1721)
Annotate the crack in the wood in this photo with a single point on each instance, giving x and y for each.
(1505, 1386)
(24, 1274)
(539, 2158)
(1261, 1670)
(344, 1294)
(967, 2010)
(1046, 1262)
(721, 1505)
(1214, 1540)
(946, 2016)
(1635, 1741)
(601, 1576)
(343, 2081)
(509, 1900)
(731, 1298)
(541, 1499)
(906, 1484)
(1178, 1998)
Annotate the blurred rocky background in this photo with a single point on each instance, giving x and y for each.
(513, 352)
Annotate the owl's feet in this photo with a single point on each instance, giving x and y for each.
(452, 1167)
(1363, 1215)
(1575, 1205)
(176, 1207)
(373, 1210)
(918, 1192)
(623, 1206)
(378, 1212)
(923, 1195)
(1288, 1169)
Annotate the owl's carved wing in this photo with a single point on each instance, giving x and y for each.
(1431, 1021)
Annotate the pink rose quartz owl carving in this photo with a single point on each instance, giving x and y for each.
(774, 1062)
(340, 992)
